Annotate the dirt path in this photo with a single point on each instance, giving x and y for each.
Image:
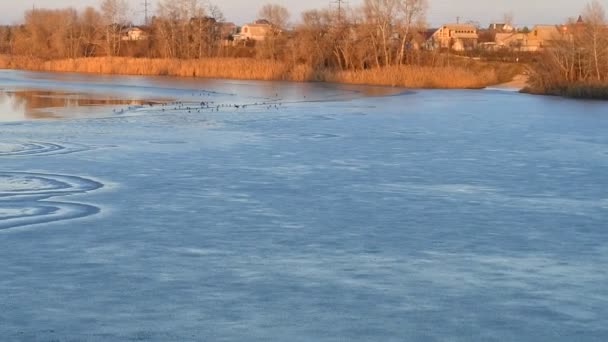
(518, 82)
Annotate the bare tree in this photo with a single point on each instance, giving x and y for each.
(91, 23)
(114, 14)
(412, 14)
(175, 25)
(277, 15)
(595, 34)
(578, 61)
(381, 17)
(274, 43)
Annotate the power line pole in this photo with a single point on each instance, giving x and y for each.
(339, 3)
(146, 6)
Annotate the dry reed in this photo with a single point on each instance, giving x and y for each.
(255, 69)
(417, 77)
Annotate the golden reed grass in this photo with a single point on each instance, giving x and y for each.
(417, 77)
(255, 69)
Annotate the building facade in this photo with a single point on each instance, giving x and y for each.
(257, 31)
(457, 37)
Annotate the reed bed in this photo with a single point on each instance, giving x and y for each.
(241, 68)
(417, 77)
(255, 69)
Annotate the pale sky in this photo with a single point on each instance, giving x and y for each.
(526, 12)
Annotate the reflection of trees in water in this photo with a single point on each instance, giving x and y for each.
(33, 102)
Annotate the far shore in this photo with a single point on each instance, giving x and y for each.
(475, 75)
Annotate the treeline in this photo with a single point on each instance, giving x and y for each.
(379, 33)
(576, 66)
(366, 44)
(182, 29)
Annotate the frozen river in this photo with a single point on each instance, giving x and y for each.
(309, 213)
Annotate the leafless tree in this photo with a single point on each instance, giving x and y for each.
(412, 15)
(114, 14)
(277, 15)
(381, 17)
(578, 59)
(91, 27)
(595, 35)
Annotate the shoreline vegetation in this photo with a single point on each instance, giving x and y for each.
(576, 65)
(467, 75)
(380, 42)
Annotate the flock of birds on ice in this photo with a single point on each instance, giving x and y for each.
(206, 105)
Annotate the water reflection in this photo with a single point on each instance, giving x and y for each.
(185, 88)
(30, 95)
(44, 104)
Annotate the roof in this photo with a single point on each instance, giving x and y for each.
(460, 27)
(258, 25)
(133, 28)
(427, 34)
(545, 32)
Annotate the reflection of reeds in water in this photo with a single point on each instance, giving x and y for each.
(35, 103)
(36, 99)
(255, 69)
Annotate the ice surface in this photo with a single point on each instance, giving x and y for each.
(342, 215)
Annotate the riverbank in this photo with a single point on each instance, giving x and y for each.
(580, 90)
(472, 74)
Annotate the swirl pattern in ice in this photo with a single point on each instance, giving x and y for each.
(24, 198)
(17, 149)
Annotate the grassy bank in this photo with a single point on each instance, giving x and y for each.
(472, 75)
(579, 90)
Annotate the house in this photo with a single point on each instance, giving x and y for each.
(256, 31)
(426, 38)
(457, 37)
(135, 34)
(516, 41)
(538, 38)
(227, 30)
(541, 36)
(500, 27)
(205, 22)
(205, 27)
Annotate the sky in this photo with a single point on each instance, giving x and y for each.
(526, 12)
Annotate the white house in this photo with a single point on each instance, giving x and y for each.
(457, 37)
(135, 34)
(257, 31)
(501, 27)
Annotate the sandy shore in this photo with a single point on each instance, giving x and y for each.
(519, 82)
